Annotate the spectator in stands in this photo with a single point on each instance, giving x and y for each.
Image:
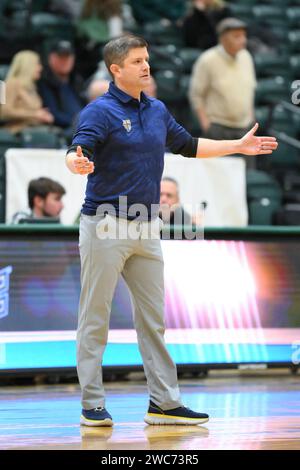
(222, 86)
(97, 88)
(151, 88)
(44, 200)
(59, 88)
(23, 107)
(101, 21)
(171, 212)
(199, 26)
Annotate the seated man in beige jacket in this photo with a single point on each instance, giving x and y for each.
(223, 85)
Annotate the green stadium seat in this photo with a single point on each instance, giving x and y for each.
(293, 17)
(7, 140)
(286, 158)
(190, 121)
(282, 121)
(264, 196)
(242, 3)
(189, 56)
(262, 114)
(165, 57)
(262, 211)
(2, 26)
(270, 65)
(160, 33)
(183, 113)
(2, 166)
(295, 66)
(152, 10)
(261, 184)
(273, 17)
(3, 71)
(19, 22)
(41, 138)
(39, 6)
(280, 3)
(184, 84)
(48, 25)
(269, 14)
(296, 123)
(294, 41)
(242, 11)
(272, 90)
(15, 4)
(168, 86)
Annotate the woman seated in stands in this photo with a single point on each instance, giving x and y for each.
(23, 107)
(199, 26)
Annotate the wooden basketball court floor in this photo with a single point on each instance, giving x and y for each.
(260, 411)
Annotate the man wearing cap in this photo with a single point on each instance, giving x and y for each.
(223, 85)
(59, 87)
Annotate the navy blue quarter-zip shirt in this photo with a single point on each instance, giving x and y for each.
(126, 139)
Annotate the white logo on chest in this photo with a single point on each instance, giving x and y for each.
(127, 124)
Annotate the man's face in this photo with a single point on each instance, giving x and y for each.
(61, 64)
(168, 194)
(234, 40)
(135, 70)
(50, 206)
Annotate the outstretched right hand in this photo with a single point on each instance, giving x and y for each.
(81, 164)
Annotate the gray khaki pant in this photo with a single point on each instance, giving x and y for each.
(140, 263)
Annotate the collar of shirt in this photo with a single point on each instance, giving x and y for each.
(227, 56)
(124, 97)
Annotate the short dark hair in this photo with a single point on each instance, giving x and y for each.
(42, 187)
(116, 50)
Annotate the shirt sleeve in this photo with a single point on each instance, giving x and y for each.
(179, 140)
(92, 127)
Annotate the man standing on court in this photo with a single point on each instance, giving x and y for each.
(120, 144)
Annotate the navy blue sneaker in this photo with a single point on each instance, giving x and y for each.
(96, 417)
(180, 415)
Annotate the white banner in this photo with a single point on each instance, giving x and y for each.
(23, 165)
(220, 182)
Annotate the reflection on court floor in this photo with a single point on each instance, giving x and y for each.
(246, 412)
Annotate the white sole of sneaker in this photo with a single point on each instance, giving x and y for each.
(161, 419)
(95, 423)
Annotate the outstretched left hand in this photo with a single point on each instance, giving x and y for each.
(250, 144)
